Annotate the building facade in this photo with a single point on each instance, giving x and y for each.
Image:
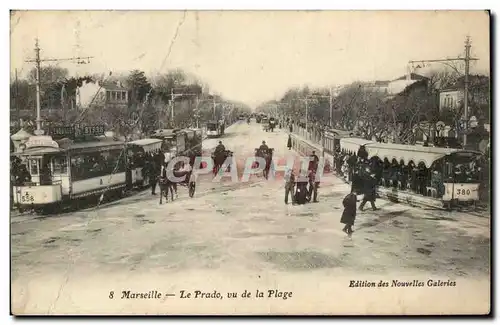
(102, 94)
(450, 98)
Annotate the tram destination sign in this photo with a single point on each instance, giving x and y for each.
(92, 130)
(65, 131)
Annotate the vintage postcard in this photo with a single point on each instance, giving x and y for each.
(250, 162)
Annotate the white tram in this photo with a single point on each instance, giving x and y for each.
(215, 128)
(456, 168)
(65, 170)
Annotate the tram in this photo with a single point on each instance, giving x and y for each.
(214, 129)
(449, 176)
(65, 170)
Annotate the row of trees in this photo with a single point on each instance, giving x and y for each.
(373, 113)
(149, 105)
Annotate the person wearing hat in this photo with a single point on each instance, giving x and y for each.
(289, 142)
(220, 147)
(313, 186)
(289, 185)
(369, 191)
(263, 147)
(313, 161)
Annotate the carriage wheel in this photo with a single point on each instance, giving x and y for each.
(192, 188)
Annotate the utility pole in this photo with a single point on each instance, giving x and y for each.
(38, 130)
(213, 112)
(466, 88)
(172, 99)
(37, 62)
(466, 60)
(331, 107)
(17, 103)
(197, 112)
(307, 112)
(309, 97)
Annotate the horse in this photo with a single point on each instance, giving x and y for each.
(267, 156)
(167, 184)
(219, 159)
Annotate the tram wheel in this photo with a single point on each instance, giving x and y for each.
(192, 188)
(40, 210)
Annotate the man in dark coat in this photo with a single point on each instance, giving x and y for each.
(313, 187)
(220, 148)
(289, 143)
(313, 161)
(369, 191)
(349, 213)
(155, 173)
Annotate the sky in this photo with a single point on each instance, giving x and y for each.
(251, 56)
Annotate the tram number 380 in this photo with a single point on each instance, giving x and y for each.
(27, 198)
(463, 192)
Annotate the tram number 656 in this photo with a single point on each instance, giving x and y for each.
(27, 198)
(463, 191)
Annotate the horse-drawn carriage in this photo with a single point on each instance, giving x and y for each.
(188, 143)
(181, 175)
(267, 155)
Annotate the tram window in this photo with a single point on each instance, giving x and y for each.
(97, 164)
(60, 165)
(34, 167)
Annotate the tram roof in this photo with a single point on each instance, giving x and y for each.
(340, 133)
(408, 153)
(93, 144)
(353, 144)
(37, 151)
(165, 133)
(145, 142)
(149, 144)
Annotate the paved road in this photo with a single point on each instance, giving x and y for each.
(238, 236)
